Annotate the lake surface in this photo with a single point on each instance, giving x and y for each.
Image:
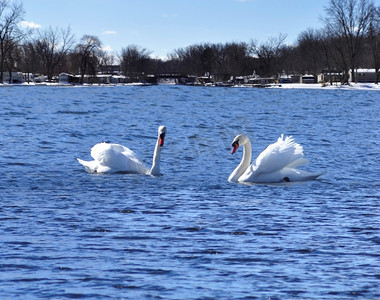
(188, 234)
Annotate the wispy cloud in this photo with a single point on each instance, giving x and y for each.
(173, 15)
(27, 24)
(109, 32)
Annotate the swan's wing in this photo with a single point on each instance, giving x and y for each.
(117, 158)
(297, 163)
(283, 153)
(105, 153)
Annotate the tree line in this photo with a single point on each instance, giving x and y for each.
(348, 39)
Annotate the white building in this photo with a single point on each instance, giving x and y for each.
(17, 77)
(307, 78)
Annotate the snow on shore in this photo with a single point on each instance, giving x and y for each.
(351, 86)
(338, 86)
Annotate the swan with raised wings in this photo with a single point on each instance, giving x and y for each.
(277, 163)
(112, 158)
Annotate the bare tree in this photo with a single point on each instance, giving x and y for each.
(195, 59)
(310, 48)
(12, 59)
(52, 45)
(269, 53)
(374, 41)
(348, 21)
(288, 61)
(220, 63)
(236, 56)
(11, 13)
(220, 60)
(185, 59)
(107, 60)
(29, 61)
(88, 51)
(134, 61)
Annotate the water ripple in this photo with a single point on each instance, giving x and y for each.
(189, 233)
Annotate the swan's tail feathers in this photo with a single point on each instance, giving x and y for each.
(305, 175)
(312, 176)
(82, 162)
(90, 166)
(316, 175)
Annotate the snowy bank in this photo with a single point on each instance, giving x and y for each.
(351, 86)
(337, 86)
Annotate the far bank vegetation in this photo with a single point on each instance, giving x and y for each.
(349, 38)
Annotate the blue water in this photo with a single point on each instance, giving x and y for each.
(189, 234)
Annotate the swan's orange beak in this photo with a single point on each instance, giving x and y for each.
(162, 139)
(235, 145)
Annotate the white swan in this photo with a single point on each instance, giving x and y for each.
(112, 158)
(277, 163)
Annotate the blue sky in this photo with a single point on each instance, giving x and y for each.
(162, 26)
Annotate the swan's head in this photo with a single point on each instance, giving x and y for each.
(239, 140)
(161, 135)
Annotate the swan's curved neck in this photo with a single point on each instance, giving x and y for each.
(155, 169)
(244, 163)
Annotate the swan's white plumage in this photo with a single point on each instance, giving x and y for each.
(277, 163)
(278, 155)
(113, 158)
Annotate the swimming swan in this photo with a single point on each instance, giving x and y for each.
(277, 163)
(111, 158)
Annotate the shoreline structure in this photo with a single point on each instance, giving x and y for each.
(350, 87)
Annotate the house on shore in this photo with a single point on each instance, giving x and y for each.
(307, 78)
(204, 80)
(285, 79)
(14, 77)
(66, 78)
(326, 77)
(364, 75)
(261, 80)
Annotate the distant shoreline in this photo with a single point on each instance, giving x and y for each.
(305, 86)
